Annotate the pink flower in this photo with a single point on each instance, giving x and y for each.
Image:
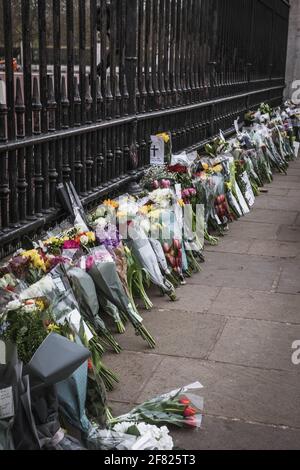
(89, 263)
(71, 245)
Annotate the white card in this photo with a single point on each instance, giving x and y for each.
(157, 151)
(178, 190)
(241, 200)
(74, 319)
(236, 126)
(249, 191)
(6, 403)
(222, 136)
(296, 148)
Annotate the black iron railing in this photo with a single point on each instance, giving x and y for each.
(133, 68)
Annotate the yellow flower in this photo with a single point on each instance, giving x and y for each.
(229, 186)
(155, 214)
(110, 203)
(40, 304)
(218, 169)
(144, 210)
(181, 203)
(164, 136)
(91, 236)
(52, 328)
(205, 166)
(51, 241)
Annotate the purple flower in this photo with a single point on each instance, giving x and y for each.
(109, 236)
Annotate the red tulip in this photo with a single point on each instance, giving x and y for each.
(189, 411)
(184, 401)
(176, 244)
(90, 364)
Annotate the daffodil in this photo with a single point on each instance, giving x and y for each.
(164, 136)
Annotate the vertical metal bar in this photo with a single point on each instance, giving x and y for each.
(93, 58)
(38, 176)
(167, 51)
(57, 59)
(66, 144)
(4, 187)
(10, 101)
(103, 67)
(173, 52)
(149, 40)
(43, 99)
(82, 57)
(155, 53)
(70, 51)
(22, 184)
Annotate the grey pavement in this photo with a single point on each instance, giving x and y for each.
(232, 329)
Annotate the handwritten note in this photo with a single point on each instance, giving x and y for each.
(6, 403)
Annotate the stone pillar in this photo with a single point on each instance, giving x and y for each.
(293, 53)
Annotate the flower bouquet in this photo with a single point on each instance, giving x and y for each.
(145, 255)
(130, 436)
(101, 267)
(179, 408)
(86, 296)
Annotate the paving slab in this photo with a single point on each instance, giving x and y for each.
(278, 203)
(133, 371)
(230, 245)
(289, 282)
(224, 434)
(251, 230)
(273, 190)
(284, 184)
(276, 249)
(288, 233)
(252, 394)
(267, 216)
(256, 343)
(294, 193)
(233, 270)
(196, 333)
(196, 303)
(245, 303)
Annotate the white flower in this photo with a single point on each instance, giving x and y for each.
(13, 305)
(30, 308)
(122, 427)
(84, 240)
(100, 223)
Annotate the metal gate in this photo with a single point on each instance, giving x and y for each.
(83, 85)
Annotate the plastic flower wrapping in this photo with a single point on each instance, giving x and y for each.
(84, 282)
